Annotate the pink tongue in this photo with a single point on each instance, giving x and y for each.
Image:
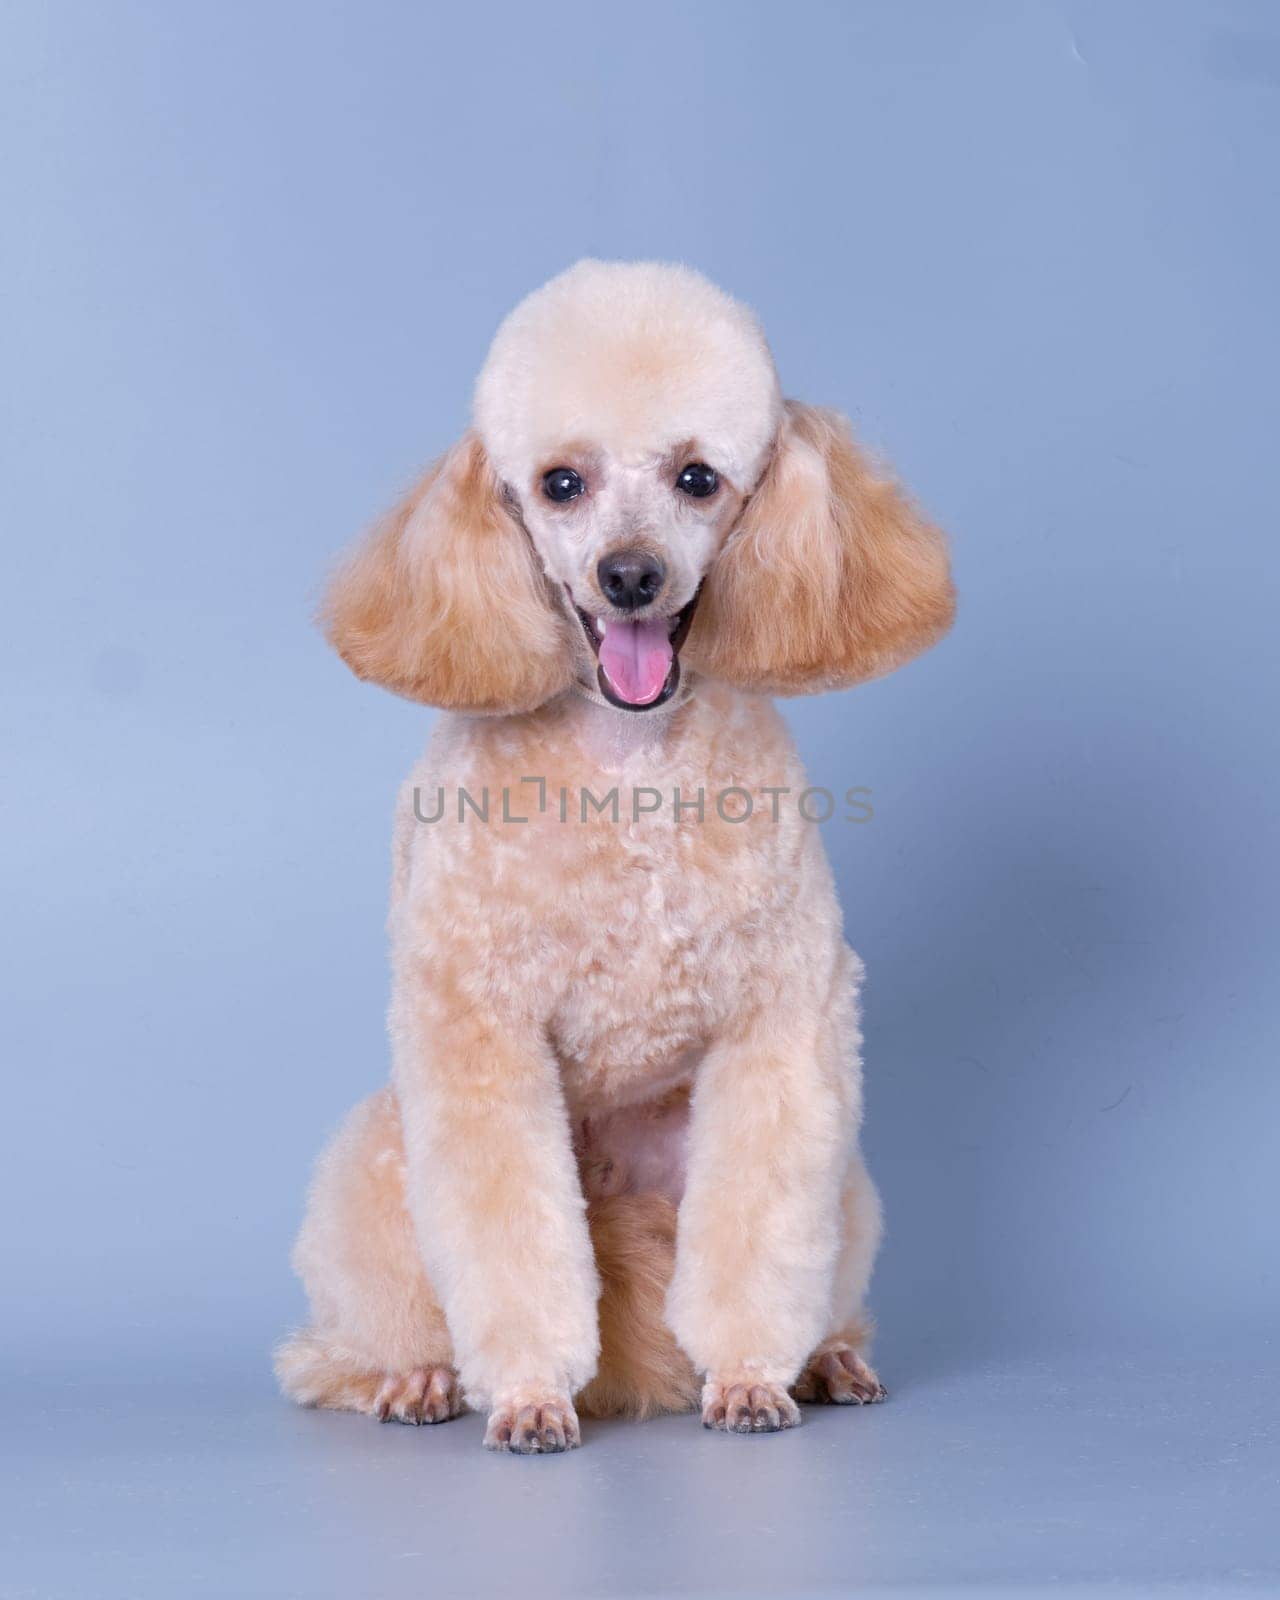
(636, 657)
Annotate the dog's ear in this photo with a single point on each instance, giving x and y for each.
(445, 602)
(830, 577)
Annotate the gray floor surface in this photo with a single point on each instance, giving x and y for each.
(1123, 1476)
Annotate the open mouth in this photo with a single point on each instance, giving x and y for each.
(638, 663)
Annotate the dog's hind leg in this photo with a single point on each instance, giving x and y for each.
(837, 1372)
(378, 1341)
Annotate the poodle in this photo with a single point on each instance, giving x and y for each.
(616, 1169)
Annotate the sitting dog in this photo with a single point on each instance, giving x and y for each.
(617, 1164)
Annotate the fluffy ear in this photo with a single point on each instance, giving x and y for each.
(444, 600)
(830, 577)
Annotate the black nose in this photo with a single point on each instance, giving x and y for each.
(630, 579)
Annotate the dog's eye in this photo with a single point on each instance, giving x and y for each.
(698, 479)
(562, 483)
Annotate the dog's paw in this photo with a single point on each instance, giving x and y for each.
(747, 1407)
(839, 1376)
(427, 1394)
(527, 1424)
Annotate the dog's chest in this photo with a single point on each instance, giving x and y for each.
(619, 902)
(659, 927)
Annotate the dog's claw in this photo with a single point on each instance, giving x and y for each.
(839, 1376)
(425, 1395)
(535, 1427)
(748, 1407)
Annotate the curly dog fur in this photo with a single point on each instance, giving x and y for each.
(617, 1167)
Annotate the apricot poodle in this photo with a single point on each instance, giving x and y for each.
(616, 1169)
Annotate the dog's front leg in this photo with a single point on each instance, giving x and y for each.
(774, 1109)
(494, 1194)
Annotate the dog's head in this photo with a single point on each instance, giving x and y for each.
(634, 490)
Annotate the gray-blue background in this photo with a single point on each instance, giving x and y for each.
(252, 259)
